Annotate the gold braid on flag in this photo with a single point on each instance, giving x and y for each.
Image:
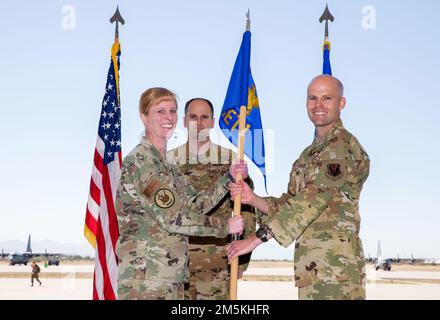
(326, 44)
(115, 49)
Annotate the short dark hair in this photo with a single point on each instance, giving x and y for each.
(203, 99)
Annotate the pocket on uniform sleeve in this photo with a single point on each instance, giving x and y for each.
(132, 256)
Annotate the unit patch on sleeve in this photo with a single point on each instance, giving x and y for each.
(164, 198)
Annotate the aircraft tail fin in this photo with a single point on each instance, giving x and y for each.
(379, 249)
(29, 249)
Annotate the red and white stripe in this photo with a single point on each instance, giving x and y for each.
(102, 223)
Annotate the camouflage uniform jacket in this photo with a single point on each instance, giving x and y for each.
(321, 210)
(156, 211)
(202, 171)
(36, 269)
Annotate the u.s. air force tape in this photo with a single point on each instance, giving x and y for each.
(164, 198)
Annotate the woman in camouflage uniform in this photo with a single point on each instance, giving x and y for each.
(157, 209)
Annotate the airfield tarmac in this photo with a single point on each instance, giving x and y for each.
(263, 280)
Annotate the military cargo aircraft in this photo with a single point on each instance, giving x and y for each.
(25, 257)
(385, 263)
(381, 262)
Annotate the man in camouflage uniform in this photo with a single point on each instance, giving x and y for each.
(203, 163)
(321, 207)
(157, 209)
(35, 273)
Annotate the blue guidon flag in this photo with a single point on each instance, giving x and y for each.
(242, 92)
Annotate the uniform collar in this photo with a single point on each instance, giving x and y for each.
(332, 133)
(147, 144)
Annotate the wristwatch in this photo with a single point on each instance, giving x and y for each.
(261, 234)
(230, 177)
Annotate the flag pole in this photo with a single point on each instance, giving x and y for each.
(117, 18)
(116, 46)
(237, 201)
(326, 46)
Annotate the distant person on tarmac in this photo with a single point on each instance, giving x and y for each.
(35, 273)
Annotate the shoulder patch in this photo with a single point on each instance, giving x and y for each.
(164, 198)
(151, 188)
(334, 171)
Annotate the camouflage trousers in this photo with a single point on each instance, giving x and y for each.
(332, 291)
(208, 285)
(35, 276)
(149, 290)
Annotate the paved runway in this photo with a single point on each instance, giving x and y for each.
(61, 268)
(382, 285)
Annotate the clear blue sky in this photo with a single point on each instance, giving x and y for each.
(53, 79)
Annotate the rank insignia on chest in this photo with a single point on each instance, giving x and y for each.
(334, 170)
(164, 198)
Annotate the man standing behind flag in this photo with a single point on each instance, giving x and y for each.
(320, 210)
(101, 225)
(157, 209)
(203, 163)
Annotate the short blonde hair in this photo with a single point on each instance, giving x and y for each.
(154, 96)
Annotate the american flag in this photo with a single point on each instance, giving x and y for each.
(101, 225)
